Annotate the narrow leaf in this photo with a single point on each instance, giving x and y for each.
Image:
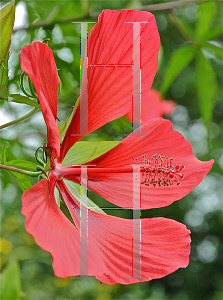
(7, 16)
(207, 11)
(3, 154)
(178, 61)
(63, 128)
(216, 48)
(214, 33)
(11, 282)
(4, 77)
(24, 100)
(57, 196)
(206, 86)
(82, 152)
(81, 196)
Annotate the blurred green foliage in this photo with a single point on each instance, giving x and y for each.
(190, 73)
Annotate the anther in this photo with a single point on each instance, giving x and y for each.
(160, 171)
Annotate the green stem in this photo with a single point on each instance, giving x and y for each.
(19, 119)
(182, 30)
(92, 15)
(25, 172)
(169, 5)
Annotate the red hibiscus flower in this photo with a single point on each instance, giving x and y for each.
(167, 169)
(153, 106)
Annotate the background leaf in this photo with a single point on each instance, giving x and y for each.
(214, 33)
(207, 86)
(11, 282)
(3, 154)
(207, 12)
(216, 48)
(4, 78)
(178, 61)
(7, 16)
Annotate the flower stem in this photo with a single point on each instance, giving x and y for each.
(25, 172)
(19, 119)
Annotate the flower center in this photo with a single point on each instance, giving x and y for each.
(159, 170)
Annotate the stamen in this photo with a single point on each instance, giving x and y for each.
(159, 171)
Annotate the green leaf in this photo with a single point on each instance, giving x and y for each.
(54, 10)
(214, 33)
(63, 128)
(24, 182)
(57, 196)
(21, 164)
(206, 85)
(3, 154)
(7, 16)
(178, 61)
(24, 100)
(160, 57)
(82, 152)
(216, 48)
(4, 78)
(11, 281)
(81, 196)
(207, 12)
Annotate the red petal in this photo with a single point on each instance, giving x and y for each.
(162, 140)
(153, 106)
(51, 230)
(110, 88)
(38, 62)
(165, 245)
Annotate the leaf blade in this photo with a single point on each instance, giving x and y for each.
(24, 100)
(4, 78)
(21, 164)
(24, 182)
(207, 12)
(63, 127)
(3, 154)
(84, 151)
(7, 16)
(11, 281)
(206, 86)
(178, 61)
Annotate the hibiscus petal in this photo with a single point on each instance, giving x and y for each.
(52, 231)
(152, 106)
(110, 88)
(161, 140)
(165, 245)
(38, 62)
